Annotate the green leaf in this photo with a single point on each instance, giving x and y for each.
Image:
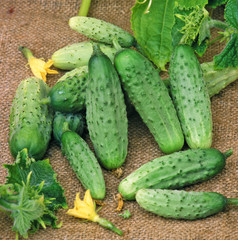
(200, 49)
(191, 3)
(231, 13)
(152, 30)
(126, 214)
(229, 56)
(215, 3)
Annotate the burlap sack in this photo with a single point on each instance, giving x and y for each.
(42, 25)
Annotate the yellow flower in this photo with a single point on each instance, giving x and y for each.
(39, 67)
(85, 209)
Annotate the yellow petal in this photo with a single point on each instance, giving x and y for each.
(49, 63)
(50, 71)
(88, 199)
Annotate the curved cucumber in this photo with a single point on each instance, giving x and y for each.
(101, 31)
(78, 54)
(180, 204)
(30, 119)
(106, 111)
(75, 121)
(191, 97)
(68, 94)
(83, 163)
(151, 99)
(175, 171)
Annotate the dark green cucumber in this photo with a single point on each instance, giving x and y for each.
(175, 171)
(68, 94)
(78, 54)
(83, 162)
(182, 205)
(76, 124)
(191, 97)
(30, 119)
(101, 31)
(106, 111)
(151, 99)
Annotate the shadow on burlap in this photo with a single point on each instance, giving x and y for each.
(42, 26)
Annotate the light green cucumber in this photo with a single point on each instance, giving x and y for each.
(174, 171)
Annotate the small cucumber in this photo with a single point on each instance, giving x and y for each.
(83, 162)
(182, 205)
(101, 31)
(78, 54)
(151, 99)
(175, 171)
(76, 124)
(30, 119)
(68, 94)
(106, 111)
(190, 97)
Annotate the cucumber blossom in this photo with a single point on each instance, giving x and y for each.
(106, 111)
(150, 97)
(83, 162)
(78, 54)
(101, 31)
(175, 171)
(68, 94)
(191, 97)
(30, 119)
(182, 205)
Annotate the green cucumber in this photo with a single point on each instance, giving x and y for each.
(106, 111)
(78, 54)
(83, 162)
(190, 97)
(182, 205)
(101, 31)
(151, 99)
(75, 121)
(68, 94)
(175, 171)
(30, 119)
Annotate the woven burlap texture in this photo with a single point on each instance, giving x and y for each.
(42, 26)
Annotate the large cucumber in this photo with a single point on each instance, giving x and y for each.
(78, 54)
(83, 162)
(151, 99)
(101, 31)
(106, 111)
(182, 205)
(30, 119)
(191, 97)
(76, 124)
(175, 171)
(68, 94)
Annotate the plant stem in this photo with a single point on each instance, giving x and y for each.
(26, 52)
(107, 224)
(218, 24)
(228, 153)
(214, 40)
(116, 44)
(232, 201)
(83, 11)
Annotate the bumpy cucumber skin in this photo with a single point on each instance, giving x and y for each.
(191, 97)
(101, 31)
(30, 119)
(174, 171)
(151, 99)
(68, 94)
(106, 112)
(78, 55)
(83, 163)
(76, 124)
(180, 204)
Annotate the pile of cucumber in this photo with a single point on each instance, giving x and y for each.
(104, 74)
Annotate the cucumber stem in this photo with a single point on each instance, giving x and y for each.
(232, 201)
(107, 224)
(228, 153)
(26, 52)
(217, 24)
(84, 8)
(116, 44)
(65, 127)
(214, 40)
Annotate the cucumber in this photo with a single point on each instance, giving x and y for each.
(106, 111)
(175, 171)
(76, 124)
(68, 94)
(151, 99)
(101, 31)
(182, 205)
(83, 162)
(30, 119)
(190, 97)
(78, 54)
